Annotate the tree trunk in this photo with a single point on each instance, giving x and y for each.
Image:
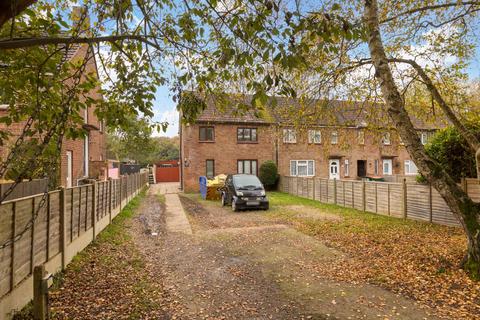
(466, 211)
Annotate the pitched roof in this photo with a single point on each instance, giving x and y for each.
(236, 108)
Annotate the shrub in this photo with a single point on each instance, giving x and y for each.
(451, 150)
(268, 174)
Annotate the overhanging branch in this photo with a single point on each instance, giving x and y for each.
(18, 43)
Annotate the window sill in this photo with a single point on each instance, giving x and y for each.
(289, 142)
(247, 142)
(206, 141)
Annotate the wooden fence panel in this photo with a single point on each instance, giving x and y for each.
(41, 241)
(396, 200)
(370, 197)
(383, 201)
(40, 232)
(6, 216)
(330, 190)
(418, 202)
(473, 189)
(441, 212)
(340, 193)
(21, 263)
(348, 188)
(311, 188)
(68, 216)
(54, 224)
(358, 195)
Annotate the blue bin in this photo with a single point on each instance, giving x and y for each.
(203, 187)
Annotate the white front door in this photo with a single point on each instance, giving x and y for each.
(334, 169)
(69, 169)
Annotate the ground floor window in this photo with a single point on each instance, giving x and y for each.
(410, 168)
(302, 168)
(210, 168)
(387, 167)
(347, 168)
(247, 166)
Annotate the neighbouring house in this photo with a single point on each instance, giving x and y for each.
(80, 158)
(223, 140)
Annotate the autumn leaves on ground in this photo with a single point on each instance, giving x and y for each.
(299, 260)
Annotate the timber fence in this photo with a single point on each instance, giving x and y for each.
(67, 222)
(403, 200)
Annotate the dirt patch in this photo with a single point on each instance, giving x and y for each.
(312, 213)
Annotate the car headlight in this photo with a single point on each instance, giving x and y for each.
(262, 193)
(239, 193)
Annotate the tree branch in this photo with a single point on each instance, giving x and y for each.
(431, 7)
(31, 42)
(472, 140)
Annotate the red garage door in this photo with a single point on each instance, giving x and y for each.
(167, 171)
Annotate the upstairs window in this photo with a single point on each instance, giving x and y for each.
(314, 136)
(386, 138)
(207, 134)
(424, 137)
(247, 134)
(361, 137)
(334, 137)
(289, 136)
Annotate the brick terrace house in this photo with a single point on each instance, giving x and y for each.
(80, 158)
(222, 141)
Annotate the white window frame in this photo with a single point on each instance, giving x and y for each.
(361, 137)
(389, 172)
(86, 155)
(314, 136)
(334, 137)
(347, 168)
(289, 136)
(424, 137)
(375, 166)
(386, 139)
(409, 163)
(302, 163)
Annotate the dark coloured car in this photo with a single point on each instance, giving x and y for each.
(244, 191)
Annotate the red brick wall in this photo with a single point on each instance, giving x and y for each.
(225, 150)
(347, 148)
(97, 148)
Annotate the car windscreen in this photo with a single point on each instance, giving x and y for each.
(247, 182)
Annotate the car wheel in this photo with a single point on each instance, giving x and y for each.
(234, 206)
(224, 201)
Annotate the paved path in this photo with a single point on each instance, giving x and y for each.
(175, 218)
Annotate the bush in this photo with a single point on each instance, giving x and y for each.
(451, 150)
(268, 174)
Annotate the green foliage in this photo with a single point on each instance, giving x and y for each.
(167, 148)
(451, 150)
(268, 174)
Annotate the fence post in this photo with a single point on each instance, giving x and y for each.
(313, 188)
(110, 185)
(404, 198)
(120, 189)
(364, 198)
(464, 184)
(40, 289)
(94, 210)
(430, 198)
(335, 190)
(32, 239)
(12, 253)
(63, 225)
